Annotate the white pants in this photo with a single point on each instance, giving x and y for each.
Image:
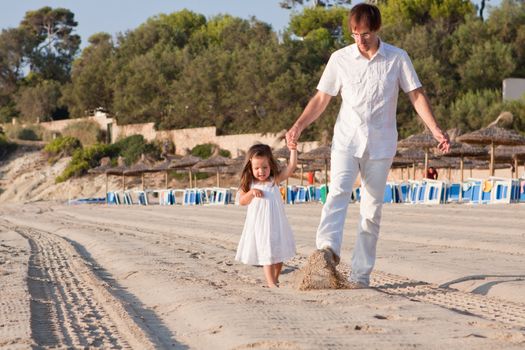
(344, 171)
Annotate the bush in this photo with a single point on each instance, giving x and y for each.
(205, 151)
(61, 146)
(86, 158)
(31, 133)
(132, 147)
(87, 131)
(28, 134)
(65, 144)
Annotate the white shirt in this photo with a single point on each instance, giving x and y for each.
(369, 88)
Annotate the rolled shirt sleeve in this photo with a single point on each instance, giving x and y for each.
(330, 82)
(408, 79)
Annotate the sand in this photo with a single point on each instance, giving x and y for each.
(165, 277)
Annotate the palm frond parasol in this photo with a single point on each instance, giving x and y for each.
(186, 162)
(213, 162)
(319, 153)
(462, 150)
(424, 141)
(493, 136)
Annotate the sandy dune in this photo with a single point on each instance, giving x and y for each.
(164, 277)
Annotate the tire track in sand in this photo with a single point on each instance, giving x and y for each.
(489, 308)
(70, 306)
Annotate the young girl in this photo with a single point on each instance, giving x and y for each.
(267, 238)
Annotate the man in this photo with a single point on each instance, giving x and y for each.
(368, 74)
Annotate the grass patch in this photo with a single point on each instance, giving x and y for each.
(87, 131)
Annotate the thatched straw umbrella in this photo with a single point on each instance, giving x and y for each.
(519, 157)
(462, 150)
(106, 168)
(213, 162)
(237, 160)
(141, 167)
(163, 167)
(401, 163)
(424, 141)
(415, 156)
(485, 164)
(446, 163)
(322, 153)
(186, 162)
(105, 164)
(493, 135)
(284, 153)
(281, 153)
(510, 154)
(230, 169)
(313, 166)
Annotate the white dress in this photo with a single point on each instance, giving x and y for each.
(267, 237)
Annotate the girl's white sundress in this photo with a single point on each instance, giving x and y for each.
(267, 237)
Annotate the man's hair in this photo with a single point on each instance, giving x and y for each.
(366, 14)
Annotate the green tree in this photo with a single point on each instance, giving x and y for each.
(487, 66)
(313, 19)
(507, 24)
(11, 70)
(146, 63)
(142, 86)
(51, 44)
(91, 78)
(289, 4)
(413, 12)
(169, 31)
(475, 109)
(38, 101)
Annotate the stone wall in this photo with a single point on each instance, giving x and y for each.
(58, 125)
(182, 138)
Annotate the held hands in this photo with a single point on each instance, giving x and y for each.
(292, 136)
(256, 193)
(443, 140)
(291, 146)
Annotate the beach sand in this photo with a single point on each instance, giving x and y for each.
(449, 276)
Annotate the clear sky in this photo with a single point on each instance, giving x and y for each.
(113, 16)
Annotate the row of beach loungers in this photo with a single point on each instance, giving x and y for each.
(190, 196)
(475, 191)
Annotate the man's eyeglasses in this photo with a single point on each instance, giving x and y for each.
(364, 36)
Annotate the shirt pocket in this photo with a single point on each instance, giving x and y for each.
(353, 89)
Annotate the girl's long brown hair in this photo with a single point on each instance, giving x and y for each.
(257, 150)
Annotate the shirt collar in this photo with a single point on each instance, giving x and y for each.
(356, 54)
(381, 50)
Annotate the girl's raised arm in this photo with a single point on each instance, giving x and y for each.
(292, 164)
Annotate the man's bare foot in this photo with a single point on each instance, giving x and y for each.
(273, 285)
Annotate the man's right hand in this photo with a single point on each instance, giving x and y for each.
(292, 135)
